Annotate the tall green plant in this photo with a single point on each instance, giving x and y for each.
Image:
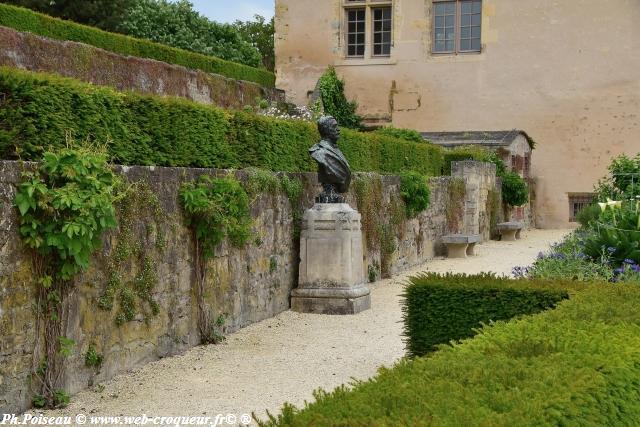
(64, 205)
(335, 102)
(514, 189)
(623, 181)
(415, 192)
(616, 234)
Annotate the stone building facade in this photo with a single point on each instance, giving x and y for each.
(565, 71)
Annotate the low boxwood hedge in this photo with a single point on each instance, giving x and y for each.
(578, 364)
(38, 110)
(37, 23)
(439, 309)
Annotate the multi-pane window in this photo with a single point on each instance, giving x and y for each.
(381, 31)
(356, 32)
(457, 26)
(368, 28)
(577, 202)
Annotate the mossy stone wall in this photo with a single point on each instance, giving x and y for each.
(245, 285)
(147, 76)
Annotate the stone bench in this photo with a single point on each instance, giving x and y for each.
(461, 245)
(510, 231)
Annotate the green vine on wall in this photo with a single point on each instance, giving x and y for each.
(515, 191)
(133, 252)
(414, 189)
(215, 209)
(455, 208)
(334, 101)
(64, 205)
(260, 181)
(494, 203)
(381, 231)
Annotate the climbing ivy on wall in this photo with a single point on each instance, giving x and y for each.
(380, 231)
(215, 209)
(335, 102)
(134, 252)
(515, 191)
(64, 205)
(455, 208)
(414, 189)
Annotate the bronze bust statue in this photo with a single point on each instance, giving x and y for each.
(334, 172)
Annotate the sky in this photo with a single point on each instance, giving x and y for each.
(230, 10)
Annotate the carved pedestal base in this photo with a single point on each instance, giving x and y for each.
(331, 279)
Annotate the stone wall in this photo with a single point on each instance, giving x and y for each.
(90, 64)
(245, 285)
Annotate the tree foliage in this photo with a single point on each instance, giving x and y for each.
(177, 24)
(260, 33)
(414, 189)
(514, 189)
(105, 14)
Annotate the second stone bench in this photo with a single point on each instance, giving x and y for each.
(461, 245)
(510, 231)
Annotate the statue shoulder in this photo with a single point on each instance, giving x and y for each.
(322, 145)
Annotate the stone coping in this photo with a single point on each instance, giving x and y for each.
(461, 238)
(510, 226)
(355, 292)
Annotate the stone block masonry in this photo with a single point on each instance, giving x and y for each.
(147, 76)
(244, 285)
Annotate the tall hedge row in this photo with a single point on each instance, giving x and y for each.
(38, 110)
(440, 309)
(26, 20)
(575, 365)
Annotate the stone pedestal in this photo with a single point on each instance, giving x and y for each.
(331, 279)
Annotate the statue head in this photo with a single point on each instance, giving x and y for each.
(328, 128)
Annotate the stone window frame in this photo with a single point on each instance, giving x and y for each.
(368, 6)
(577, 202)
(457, 28)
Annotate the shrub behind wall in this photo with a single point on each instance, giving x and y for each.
(38, 109)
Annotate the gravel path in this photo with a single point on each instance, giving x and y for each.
(287, 357)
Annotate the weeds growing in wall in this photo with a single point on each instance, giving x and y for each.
(415, 192)
(64, 205)
(215, 209)
(494, 202)
(382, 222)
(455, 207)
(130, 296)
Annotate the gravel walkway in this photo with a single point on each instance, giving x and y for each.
(287, 357)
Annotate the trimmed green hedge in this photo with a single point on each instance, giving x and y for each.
(39, 109)
(26, 20)
(440, 309)
(576, 365)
